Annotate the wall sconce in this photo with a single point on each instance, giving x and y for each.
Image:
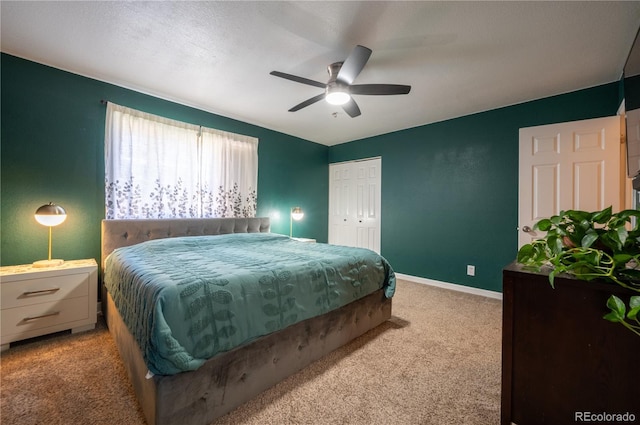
(50, 215)
(296, 214)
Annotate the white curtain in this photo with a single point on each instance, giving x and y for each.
(233, 180)
(161, 168)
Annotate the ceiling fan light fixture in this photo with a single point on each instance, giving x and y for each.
(338, 90)
(337, 97)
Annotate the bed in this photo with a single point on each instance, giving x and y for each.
(200, 389)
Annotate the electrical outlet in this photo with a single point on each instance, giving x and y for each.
(471, 270)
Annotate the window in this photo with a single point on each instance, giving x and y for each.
(161, 168)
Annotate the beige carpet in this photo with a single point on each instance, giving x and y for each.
(437, 361)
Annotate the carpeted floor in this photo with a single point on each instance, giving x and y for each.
(437, 361)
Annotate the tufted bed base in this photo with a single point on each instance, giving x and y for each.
(234, 377)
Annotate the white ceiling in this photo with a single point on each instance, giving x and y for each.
(459, 57)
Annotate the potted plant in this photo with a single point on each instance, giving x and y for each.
(592, 245)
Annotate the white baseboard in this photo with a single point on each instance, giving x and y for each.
(451, 286)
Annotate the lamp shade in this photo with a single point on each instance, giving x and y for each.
(50, 214)
(297, 213)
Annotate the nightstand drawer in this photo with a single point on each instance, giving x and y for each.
(40, 300)
(35, 291)
(44, 315)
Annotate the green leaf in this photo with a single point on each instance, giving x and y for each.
(613, 317)
(616, 305)
(556, 220)
(592, 257)
(626, 214)
(544, 225)
(622, 258)
(622, 235)
(525, 253)
(589, 238)
(630, 274)
(633, 313)
(634, 305)
(615, 238)
(555, 244)
(602, 216)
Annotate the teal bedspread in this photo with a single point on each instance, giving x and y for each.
(186, 299)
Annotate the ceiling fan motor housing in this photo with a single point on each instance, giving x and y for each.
(333, 70)
(335, 88)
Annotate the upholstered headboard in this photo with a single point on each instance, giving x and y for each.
(119, 233)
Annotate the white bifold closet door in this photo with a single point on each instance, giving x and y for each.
(354, 203)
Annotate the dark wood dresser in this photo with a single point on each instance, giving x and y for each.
(561, 361)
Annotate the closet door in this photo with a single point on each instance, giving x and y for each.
(354, 203)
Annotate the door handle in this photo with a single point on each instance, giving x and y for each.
(526, 229)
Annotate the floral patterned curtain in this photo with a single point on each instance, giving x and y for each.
(161, 168)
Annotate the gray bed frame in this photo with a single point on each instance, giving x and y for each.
(234, 377)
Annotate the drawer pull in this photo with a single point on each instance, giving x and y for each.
(27, 319)
(40, 291)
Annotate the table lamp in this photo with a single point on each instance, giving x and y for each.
(296, 214)
(50, 215)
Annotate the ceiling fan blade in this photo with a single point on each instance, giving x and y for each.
(353, 65)
(351, 108)
(379, 89)
(308, 102)
(298, 79)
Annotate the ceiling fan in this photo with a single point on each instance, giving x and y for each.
(339, 89)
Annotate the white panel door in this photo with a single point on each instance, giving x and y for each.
(568, 166)
(354, 203)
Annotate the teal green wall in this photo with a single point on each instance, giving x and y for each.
(52, 149)
(450, 189)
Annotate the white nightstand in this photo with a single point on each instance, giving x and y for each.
(304, 240)
(39, 301)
